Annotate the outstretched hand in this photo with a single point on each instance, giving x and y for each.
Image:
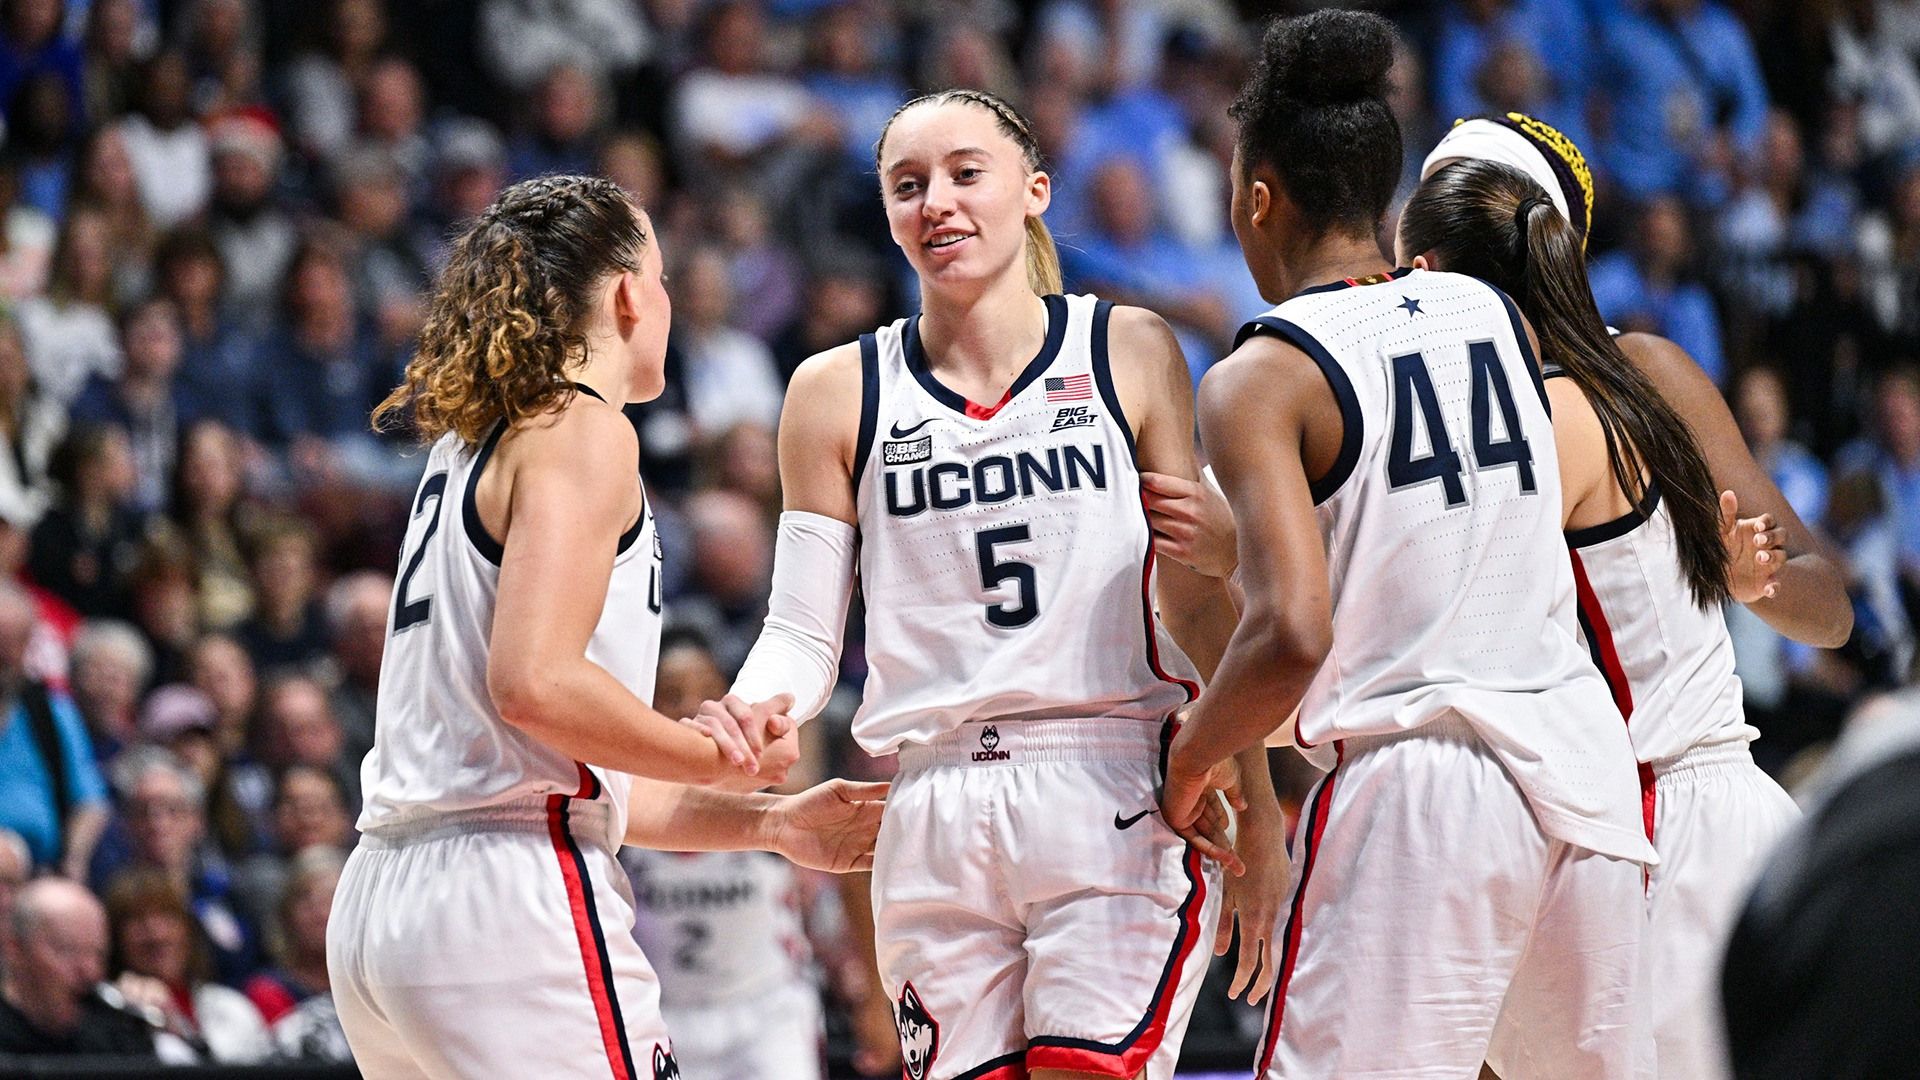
(830, 826)
(743, 731)
(1754, 552)
(1192, 523)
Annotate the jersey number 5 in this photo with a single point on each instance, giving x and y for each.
(1412, 380)
(408, 614)
(994, 572)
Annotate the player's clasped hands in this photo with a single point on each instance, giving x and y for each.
(759, 738)
(1754, 553)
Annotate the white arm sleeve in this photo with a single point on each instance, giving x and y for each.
(798, 651)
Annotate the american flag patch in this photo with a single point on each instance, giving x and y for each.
(1070, 388)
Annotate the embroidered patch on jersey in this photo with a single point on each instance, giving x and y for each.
(664, 1065)
(1074, 416)
(907, 453)
(1070, 388)
(919, 1034)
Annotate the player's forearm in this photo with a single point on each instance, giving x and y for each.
(1262, 677)
(579, 709)
(1200, 615)
(1811, 605)
(677, 817)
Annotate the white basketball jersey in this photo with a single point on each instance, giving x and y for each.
(1441, 518)
(719, 926)
(1005, 558)
(1668, 660)
(439, 744)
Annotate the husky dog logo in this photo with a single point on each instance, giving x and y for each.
(989, 737)
(919, 1034)
(664, 1066)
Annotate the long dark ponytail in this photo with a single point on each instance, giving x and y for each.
(1494, 222)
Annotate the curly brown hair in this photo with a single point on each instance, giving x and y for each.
(507, 316)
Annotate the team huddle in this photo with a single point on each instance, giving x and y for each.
(1459, 543)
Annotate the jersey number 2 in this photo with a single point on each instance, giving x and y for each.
(1412, 380)
(994, 572)
(407, 614)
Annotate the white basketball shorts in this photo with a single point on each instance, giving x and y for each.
(1031, 908)
(1717, 817)
(1432, 926)
(495, 943)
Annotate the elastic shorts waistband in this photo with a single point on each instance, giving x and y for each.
(1733, 752)
(1026, 742)
(585, 819)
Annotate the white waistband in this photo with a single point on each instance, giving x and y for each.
(1024, 742)
(1704, 756)
(585, 819)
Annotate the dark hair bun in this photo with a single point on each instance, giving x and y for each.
(1330, 57)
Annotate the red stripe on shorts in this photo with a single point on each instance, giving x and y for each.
(1130, 1055)
(612, 1037)
(1316, 828)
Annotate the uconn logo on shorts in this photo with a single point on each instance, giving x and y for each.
(664, 1066)
(919, 1034)
(989, 743)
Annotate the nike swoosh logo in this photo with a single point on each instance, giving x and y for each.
(1126, 823)
(899, 434)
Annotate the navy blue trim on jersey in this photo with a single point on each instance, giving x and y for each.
(916, 356)
(1336, 376)
(477, 534)
(1162, 987)
(1620, 526)
(1349, 283)
(589, 391)
(869, 404)
(1526, 347)
(599, 937)
(633, 531)
(1103, 374)
(985, 1068)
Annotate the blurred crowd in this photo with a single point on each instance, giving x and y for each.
(217, 219)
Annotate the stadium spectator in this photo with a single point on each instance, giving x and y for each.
(286, 629)
(523, 41)
(154, 934)
(208, 509)
(220, 668)
(32, 425)
(320, 83)
(1651, 287)
(29, 233)
(256, 238)
(145, 401)
(1553, 36)
(734, 109)
(166, 144)
(732, 557)
(392, 112)
(356, 608)
(164, 818)
(106, 182)
(842, 299)
(1684, 101)
(69, 330)
(85, 547)
(293, 994)
(117, 34)
(1890, 255)
(164, 584)
(297, 727)
(729, 375)
(111, 663)
(309, 811)
(56, 955)
(216, 353)
(51, 791)
(182, 720)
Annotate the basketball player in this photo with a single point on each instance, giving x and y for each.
(1648, 599)
(481, 928)
(1469, 871)
(724, 930)
(1034, 917)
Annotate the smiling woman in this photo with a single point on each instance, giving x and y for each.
(990, 483)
